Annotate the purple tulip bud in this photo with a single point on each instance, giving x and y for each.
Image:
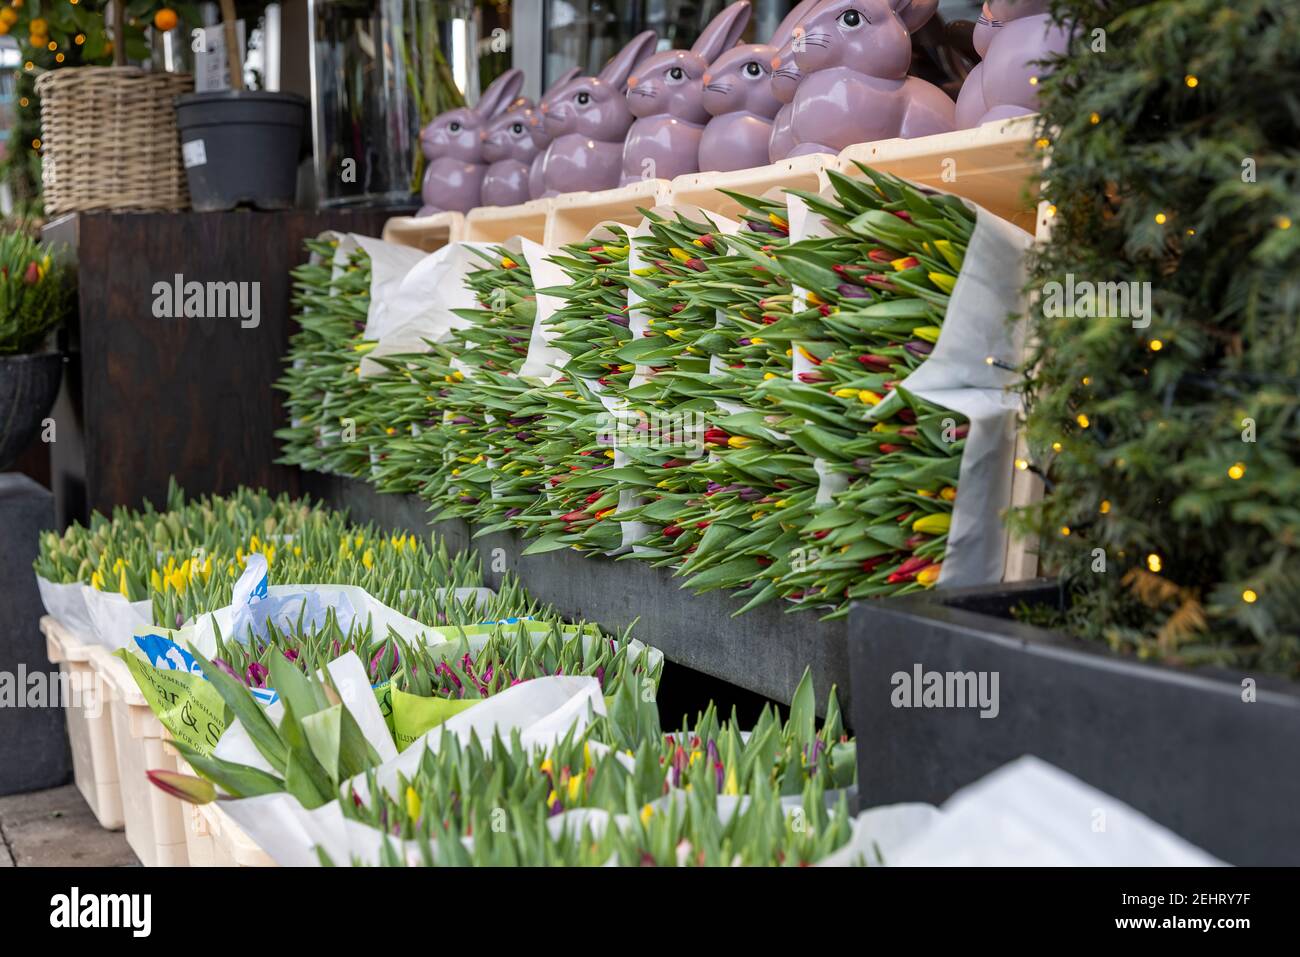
(745, 342)
(600, 675)
(750, 494)
(225, 666)
(257, 675)
(512, 512)
(862, 465)
(617, 320)
(291, 654)
(179, 620)
(850, 291)
(919, 347)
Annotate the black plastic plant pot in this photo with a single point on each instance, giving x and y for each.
(241, 148)
(1212, 755)
(28, 387)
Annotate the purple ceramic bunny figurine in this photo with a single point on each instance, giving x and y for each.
(738, 94)
(785, 80)
(854, 56)
(588, 120)
(537, 129)
(508, 146)
(454, 148)
(665, 95)
(1010, 36)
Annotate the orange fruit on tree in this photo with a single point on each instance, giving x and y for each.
(4, 28)
(8, 16)
(38, 27)
(165, 20)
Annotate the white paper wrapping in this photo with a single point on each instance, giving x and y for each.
(422, 307)
(113, 618)
(67, 603)
(1031, 814)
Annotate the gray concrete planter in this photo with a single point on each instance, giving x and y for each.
(1183, 746)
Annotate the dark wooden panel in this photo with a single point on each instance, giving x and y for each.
(190, 397)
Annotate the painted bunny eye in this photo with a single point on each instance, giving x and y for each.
(852, 19)
(583, 98)
(455, 127)
(753, 69)
(676, 74)
(517, 129)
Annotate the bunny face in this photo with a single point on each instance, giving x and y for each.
(589, 107)
(668, 83)
(785, 74)
(741, 81)
(997, 13)
(454, 134)
(536, 118)
(866, 36)
(509, 137)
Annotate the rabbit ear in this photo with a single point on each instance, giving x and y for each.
(914, 13)
(500, 94)
(722, 32)
(783, 33)
(622, 63)
(572, 73)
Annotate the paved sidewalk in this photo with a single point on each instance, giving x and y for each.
(55, 828)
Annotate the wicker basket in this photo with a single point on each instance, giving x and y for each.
(109, 139)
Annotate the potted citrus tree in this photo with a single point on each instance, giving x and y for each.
(92, 101)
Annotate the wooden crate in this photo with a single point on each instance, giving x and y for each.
(573, 215)
(705, 189)
(997, 165)
(425, 232)
(496, 224)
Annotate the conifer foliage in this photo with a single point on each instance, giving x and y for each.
(1170, 441)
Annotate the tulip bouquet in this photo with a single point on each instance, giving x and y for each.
(636, 778)
(317, 745)
(567, 458)
(481, 423)
(322, 384)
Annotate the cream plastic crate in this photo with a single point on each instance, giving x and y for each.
(573, 215)
(90, 723)
(496, 224)
(997, 165)
(705, 189)
(213, 839)
(155, 824)
(429, 233)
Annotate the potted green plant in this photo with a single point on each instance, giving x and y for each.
(240, 146)
(35, 297)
